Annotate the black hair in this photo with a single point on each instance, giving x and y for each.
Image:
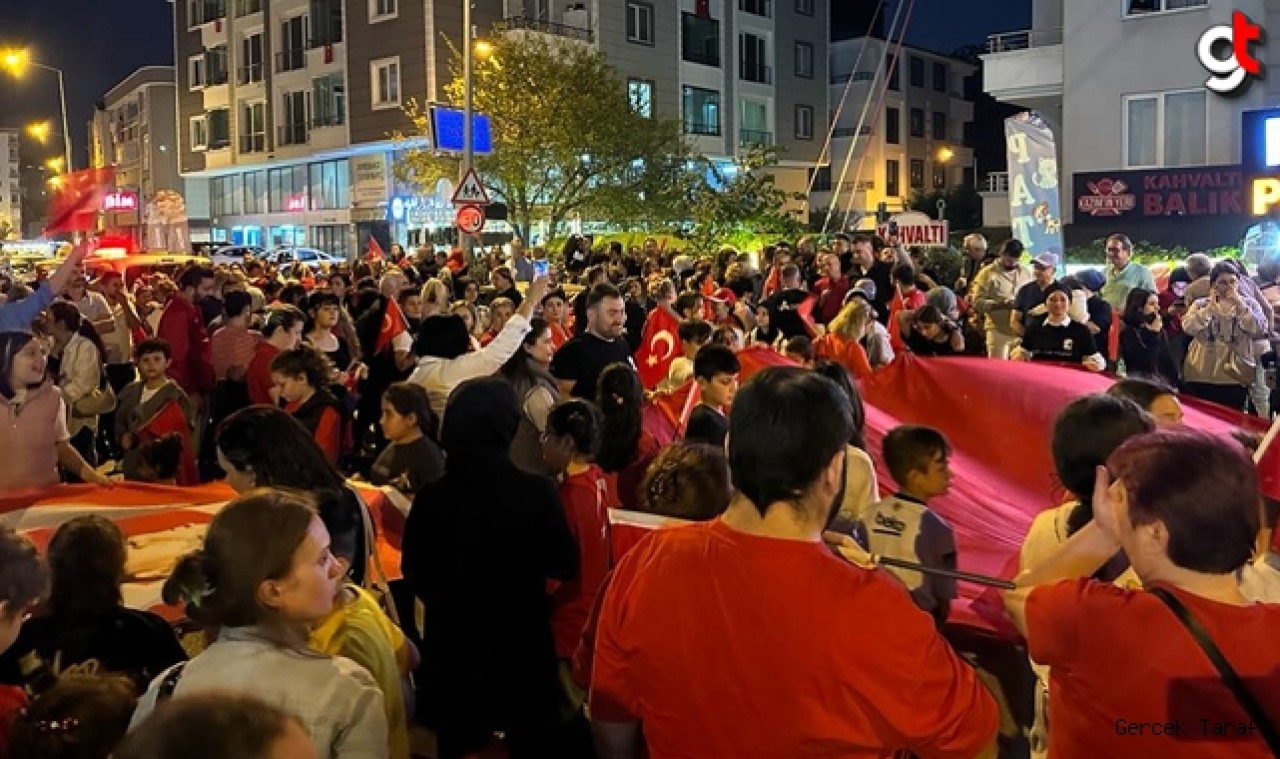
(82, 717)
(556, 293)
(442, 336)
(1222, 267)
(320, 298)
(928, 315)
(713, 359)
(293, 294)
(601, 292)
(904, 274)
(304, 361)
(153, 345)
(24, 578)
(910, 448)
(163, 455)
(785, 427)
(580, 421)
(1141, 390)
(343, 524)
(1134, 303)
(192, 276)
(235, 302)
(1012, 247)
(277, 448)
(11, 344)
(800, 345)
(688, 300)
(407, 398)
(86, 565)
(406, 293)
(620, 397)
(838, 374)
(1087, 431)
(68, 315)
(517, 368)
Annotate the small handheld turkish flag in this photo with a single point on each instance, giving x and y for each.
(79, 198)
(375, 252)
(659, 346)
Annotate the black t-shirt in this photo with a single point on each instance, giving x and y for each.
(636, 317)
(923, 346)
(706, 425)
(1068, 344)
(136, 644)
(1028, 297)
(408, 467)
(784, 312)
(584, 358)
(1100, 314)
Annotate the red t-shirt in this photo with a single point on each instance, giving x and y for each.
(583, 497)
(1120, 658)
(258, 376)
(729, 645)
(912, 302)
(624, 485)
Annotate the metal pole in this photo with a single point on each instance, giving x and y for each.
(66, 133)
(468, 156)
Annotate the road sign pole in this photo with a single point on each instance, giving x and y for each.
(468, 155)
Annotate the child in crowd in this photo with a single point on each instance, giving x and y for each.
(82, 717)
(413, 458)
(159, 460)
(301, 377)
(799, 349)
(690, 306)
(500, 311)
(687, 481)
(904, 527)
(24, 580)
(715, 369)
(694, 333)
(150, 407)
(764, 332)
(218, 725)
(360, 630)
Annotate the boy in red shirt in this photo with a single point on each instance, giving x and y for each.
(747, 637)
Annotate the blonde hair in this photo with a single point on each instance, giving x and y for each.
(435, 293)
(976, 239)
(852, 320)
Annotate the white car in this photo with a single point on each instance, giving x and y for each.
(236, 254)
(309, 257)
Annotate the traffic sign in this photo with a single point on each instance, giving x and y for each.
(469, 219)
(470, 191)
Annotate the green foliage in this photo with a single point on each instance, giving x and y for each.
(1144, 252)
(963, 209)
(945, 263)
(721, 204)
(567, 140)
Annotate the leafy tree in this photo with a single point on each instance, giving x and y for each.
(963, 210)
(722, 201)
(566, 137)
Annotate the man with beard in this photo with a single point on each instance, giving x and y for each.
(994, 291)
(579, 362)
(823, 657)
(867, 266)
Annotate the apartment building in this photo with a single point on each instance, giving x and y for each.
(905, 115)
(11, 181)
(1143, 146)
(133, 130)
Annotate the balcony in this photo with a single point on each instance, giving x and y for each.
(702, 129)
(216, 77)
(250, 74)
(758, 73)
(753, 138)
(292, 134)
(995, 199)
(246, 7)
(1024, 65)
(205, 11)
(291, 60)
(757, 7)
(253, 143)
(331, 120)
(546, 27)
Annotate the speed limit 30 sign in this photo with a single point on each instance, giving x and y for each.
(469, 219)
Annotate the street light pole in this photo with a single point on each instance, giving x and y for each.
(66, 133)
(468, 149)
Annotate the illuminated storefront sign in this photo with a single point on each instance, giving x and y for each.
(120, 200)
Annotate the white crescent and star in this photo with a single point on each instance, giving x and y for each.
(664, 336)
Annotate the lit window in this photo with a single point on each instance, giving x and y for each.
(385, 74)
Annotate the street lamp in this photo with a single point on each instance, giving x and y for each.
(945, 154)
(14, 61)
(39, 131)
(54, 164)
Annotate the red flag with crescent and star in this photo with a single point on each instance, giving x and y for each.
(392, 324)
(660, 346)
(78, 199)
(374, 252)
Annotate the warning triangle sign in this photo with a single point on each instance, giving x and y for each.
(471, 191)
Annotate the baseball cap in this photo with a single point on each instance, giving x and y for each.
(864, 288)
(724, 295)
(1047, 260)
(1092, 279)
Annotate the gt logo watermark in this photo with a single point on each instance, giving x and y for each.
(1230, 73)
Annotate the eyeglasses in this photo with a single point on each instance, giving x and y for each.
(1115, 249)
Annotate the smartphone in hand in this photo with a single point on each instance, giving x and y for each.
(540, 268)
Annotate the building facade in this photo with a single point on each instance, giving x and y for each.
(133, 130)
(903, 128)
(11, 181)
(1143, 146)
(289, 107)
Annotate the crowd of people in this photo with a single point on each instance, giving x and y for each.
(793, 612)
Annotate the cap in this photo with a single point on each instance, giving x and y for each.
(1047, 260)
(724, 295)
(1092, 279)
(864, 287)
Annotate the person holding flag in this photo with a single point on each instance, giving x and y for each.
(660, 344)
(151, 407)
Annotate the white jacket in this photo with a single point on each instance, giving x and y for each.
(78, 375)
(439, 376)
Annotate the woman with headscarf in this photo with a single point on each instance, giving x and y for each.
(480, 545)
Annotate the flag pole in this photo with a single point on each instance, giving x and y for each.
(1267, 439)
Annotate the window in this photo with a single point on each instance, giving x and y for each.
(255, 191)
(219, 133)
(917, 71)
(382, 10)
(757, 7)
(250, 59)
(195, 71)
(820, 179)
(804, 122)
(939, 77)
(1168, 129)
(1142, 7)
(331, 238)
(224, 195)
(292, 118)
(753, 59)
(245, 7)
(287, 189)
(917, 122)
(253, 127)
(700, 39)
(293, 44)
(893, 126)
(215, 65)
(891, 69)
(939, 125)
(203, 11)
(385, 76)
(639, 22)
(892, 177)
(939, 176)
(753, 123)
(804, 7)
(327, 185)
(328, 101)
(700, 109)
(917, 174)
(804, 60)
(640, 95)
(326, 22)
(199, 133)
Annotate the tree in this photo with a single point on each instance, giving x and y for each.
(723, 200)
(963, 209)
(567, 139)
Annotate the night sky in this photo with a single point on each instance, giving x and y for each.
(98, 43)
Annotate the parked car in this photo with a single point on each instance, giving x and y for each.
(309, 257)
(236, 254)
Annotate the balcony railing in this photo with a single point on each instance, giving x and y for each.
(323, 122)
(216, 77)
(249, 74)
(997, 183)
(748, 137)
(1021, 40)
(291, 60)
(245, 7)
(547, 27)
(757, 73)
(292, 134)
(757, 7)
(704, 129)
(253, 143)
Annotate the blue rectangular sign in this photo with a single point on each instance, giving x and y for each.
(448, 123)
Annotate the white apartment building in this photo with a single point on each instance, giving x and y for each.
(902, 128)
(10, 181)
(1143, 146)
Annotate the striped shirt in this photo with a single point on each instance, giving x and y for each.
(233, 346)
